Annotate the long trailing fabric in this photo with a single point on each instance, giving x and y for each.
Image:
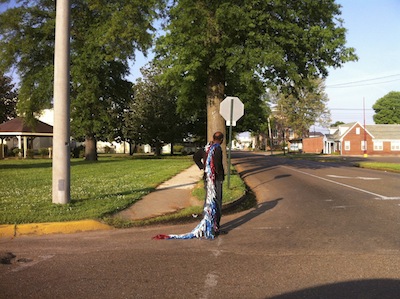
(207, 226)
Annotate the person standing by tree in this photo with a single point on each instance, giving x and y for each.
(218, 173)
(209, 159)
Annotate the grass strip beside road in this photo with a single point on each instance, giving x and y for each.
(97, 188)
(392, 167)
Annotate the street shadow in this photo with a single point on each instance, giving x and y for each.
(260, 209)
(277, 177)
(357, 289)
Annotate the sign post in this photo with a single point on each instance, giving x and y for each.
(231, 109)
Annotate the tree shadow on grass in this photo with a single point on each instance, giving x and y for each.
(32, 164)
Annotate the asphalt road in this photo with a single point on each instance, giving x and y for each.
(319, 231)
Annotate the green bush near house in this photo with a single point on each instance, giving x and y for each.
(16, 151)
(178, 148)
(43, 152)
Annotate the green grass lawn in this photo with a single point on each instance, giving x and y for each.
(393, 167)
(97, 188)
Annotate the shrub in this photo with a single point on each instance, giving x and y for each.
(78, 152)
(30, 153)
(178, 148)
(16, 151)
(44, 152)
(108, 150)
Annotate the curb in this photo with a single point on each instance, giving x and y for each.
(12, 231)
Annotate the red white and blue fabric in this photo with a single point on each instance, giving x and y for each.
(207, 226)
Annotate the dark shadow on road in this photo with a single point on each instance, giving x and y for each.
(260, 209)
(362, 289)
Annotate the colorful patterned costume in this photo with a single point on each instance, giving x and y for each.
(207, 226)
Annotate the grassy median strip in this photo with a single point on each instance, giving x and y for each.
(392, 167)
(97, 188)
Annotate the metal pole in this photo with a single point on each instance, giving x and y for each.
(61, 129)
(365, 132)
(230, 145)
(270, 136)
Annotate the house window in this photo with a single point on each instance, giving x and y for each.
(363, 145)
(347, 145)
(378, 145)
(395, 146)
(358, 131)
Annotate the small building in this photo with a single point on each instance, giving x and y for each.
(314, 145)
(16, 133)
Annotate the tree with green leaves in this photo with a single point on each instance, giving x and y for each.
(304, 106)
(8, 99)
(208, 45)
(152, 117)
(104, 37)
(336, 124)
(387, 109)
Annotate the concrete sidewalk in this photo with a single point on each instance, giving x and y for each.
(169, 197)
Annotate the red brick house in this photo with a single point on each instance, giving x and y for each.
(353, 139)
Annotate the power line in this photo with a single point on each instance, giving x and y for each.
(345, 109)
(351, 84)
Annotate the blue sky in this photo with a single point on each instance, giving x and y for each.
(373, 30)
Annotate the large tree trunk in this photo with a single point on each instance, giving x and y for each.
(157, 150)
(90, 148)
(215, 122)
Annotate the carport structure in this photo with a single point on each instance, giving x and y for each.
(20, 129)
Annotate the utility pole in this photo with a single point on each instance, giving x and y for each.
(270, 135)
(61, 129)
(365, 132)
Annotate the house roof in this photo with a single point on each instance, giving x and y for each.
(335, 135)
(384, 132)
(387, 132)
(17, 126)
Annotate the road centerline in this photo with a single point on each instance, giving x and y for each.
(382, 197)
